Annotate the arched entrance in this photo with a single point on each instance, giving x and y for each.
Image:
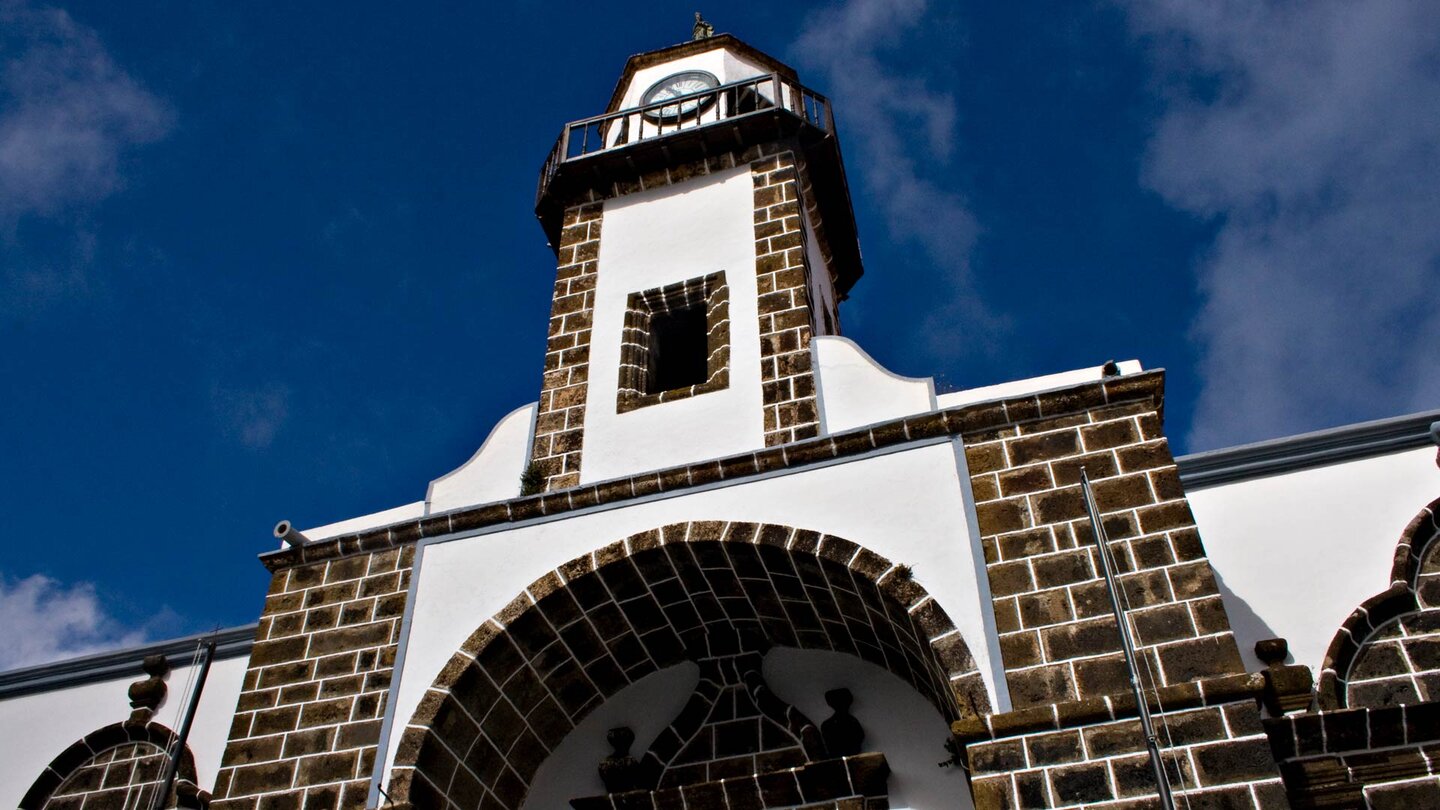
(686, 592)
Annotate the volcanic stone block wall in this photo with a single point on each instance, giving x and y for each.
(1071, 738)
(851, 783)
(785, 309)
(125, 773)
(1381, 758)
(308, 719)
(559, 424)
(1215, 756)
(1399, 664)
(119, 765)
(1057, 633)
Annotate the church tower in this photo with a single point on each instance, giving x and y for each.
(704, 234)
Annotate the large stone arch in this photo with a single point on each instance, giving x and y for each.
(584, 631)
(1382, 653)
(119, 765)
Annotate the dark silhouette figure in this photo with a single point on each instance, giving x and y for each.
(620, 771)
(842, 732)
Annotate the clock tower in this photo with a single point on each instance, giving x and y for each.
(704, 234)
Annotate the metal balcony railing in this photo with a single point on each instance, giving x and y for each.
(762, 95)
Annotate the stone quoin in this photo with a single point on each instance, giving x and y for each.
(728, 562)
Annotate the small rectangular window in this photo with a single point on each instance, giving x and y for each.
(678, 352)
(676, 342)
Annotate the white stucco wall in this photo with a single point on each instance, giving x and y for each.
(1032, 385)
(34, 729)
(906, 506)
(653, 239)
(382, 518)
(1296, 553)
(898, 722)
(493, 473)
(856, 391)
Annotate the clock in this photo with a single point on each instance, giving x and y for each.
(679, 86)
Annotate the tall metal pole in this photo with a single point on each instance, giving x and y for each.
(172, 763)
(1127, 644)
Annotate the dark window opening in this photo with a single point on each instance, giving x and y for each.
(679, 350)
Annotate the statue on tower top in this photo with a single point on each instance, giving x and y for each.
(702, 29)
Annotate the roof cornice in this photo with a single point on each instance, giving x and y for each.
(109, 666)
(1307, 450)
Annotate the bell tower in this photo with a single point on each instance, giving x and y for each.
(704, 234)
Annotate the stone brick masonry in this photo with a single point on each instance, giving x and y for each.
(1215, 756)
(1070, 739)
(560, 421)
(308, 718)
(1057, 633)
(786, 318)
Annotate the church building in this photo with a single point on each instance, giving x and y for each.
(728, 562)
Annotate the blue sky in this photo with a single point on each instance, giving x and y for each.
(282, 263)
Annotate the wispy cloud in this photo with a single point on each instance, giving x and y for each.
(68, 114)
(42, 620)
(854, 46)
(251, 415)
(1311, 132)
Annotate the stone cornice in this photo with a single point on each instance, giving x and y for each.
(1070, 714)
(966, 419)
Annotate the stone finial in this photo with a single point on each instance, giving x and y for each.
(1288, 687)
(146, 695)
(842, 732)
(702, 29)
(620, 772)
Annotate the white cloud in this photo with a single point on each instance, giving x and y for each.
(68, 114)
(852, 46)
(1311, 132)
(251, 416)
(43, 620)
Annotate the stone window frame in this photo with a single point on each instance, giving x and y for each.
(90, 750)
(713, 293)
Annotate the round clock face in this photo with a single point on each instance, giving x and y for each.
(678, 86)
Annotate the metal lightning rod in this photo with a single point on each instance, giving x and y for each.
(1162, 782)
(172, 762)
